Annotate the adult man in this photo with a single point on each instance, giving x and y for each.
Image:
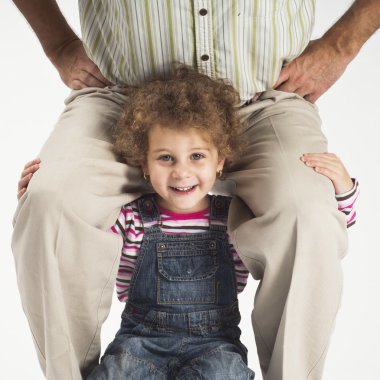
(292, 246)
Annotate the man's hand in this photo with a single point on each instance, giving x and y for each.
(313, 72)
(61, 45)
(76, 69)
(324, 60)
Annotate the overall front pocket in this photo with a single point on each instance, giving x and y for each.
(186, 272)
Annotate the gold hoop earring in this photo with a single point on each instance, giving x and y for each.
(146, 176)
(219, 173)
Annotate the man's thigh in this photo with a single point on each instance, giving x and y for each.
(88, 117)
(78, 166)
(268, 173)
(60, 232)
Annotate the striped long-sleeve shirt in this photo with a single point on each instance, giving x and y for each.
(346, 203)
(244, 41)
(129, 225)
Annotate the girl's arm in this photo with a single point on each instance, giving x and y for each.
(346, 188)
(29, 169)
(329, 165)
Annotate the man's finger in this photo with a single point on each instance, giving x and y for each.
(312, 98)
(287, 87)
(76, 84)
(84, 80)
(303, 93)
(95, 72)
(283, 77)
(92, 81)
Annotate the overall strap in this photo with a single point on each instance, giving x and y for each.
(219, 212)
(149, 211)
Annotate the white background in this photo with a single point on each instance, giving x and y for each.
(31, 98)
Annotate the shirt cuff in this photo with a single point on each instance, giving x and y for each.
(349, 194)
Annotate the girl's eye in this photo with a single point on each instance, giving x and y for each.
(165, 157)
(197, 156)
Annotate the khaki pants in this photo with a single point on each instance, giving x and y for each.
(67, 262)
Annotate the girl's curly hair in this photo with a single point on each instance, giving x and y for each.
(184, 99)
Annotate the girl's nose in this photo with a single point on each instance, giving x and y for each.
(180, 171)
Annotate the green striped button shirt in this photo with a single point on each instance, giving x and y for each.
(245, 41)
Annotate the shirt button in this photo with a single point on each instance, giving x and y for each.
(205, 57)
(203, 12)
(148, 205)
(212, 245)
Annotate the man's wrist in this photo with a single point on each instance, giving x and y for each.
(353, 29)
(54, 53)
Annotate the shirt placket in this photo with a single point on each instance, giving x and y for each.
(204, 37)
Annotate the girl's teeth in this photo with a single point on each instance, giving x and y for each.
(184, 188)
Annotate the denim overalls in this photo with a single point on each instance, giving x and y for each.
(181, 319)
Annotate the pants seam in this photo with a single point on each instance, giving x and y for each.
(327, 343)
(116, 261)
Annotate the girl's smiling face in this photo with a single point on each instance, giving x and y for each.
(182, 165)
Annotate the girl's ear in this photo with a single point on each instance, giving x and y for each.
(221, 163)
(145, 169)
(145, 172)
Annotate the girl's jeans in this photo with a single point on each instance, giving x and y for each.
(181, 319)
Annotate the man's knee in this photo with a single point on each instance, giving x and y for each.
(297, 218)
(47, 193)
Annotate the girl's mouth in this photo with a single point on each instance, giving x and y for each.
(183, 190)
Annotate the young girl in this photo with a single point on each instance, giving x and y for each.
(179, 274)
